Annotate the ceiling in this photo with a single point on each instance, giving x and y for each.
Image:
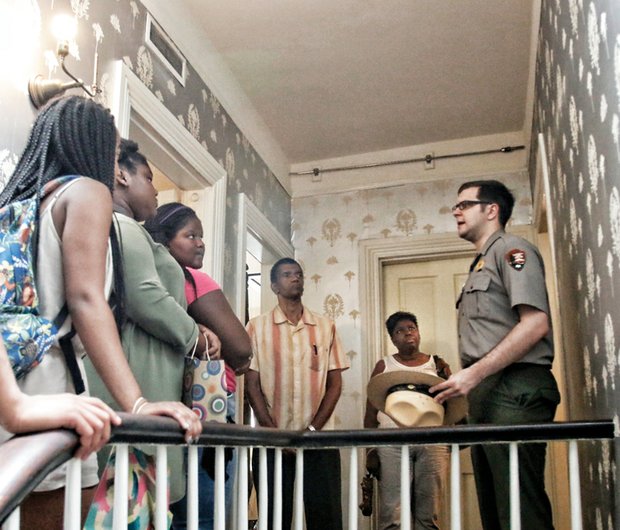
(338, 78)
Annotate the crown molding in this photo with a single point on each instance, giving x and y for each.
(205, 59)
(406, 173)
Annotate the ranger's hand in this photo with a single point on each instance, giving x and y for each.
(459, 384)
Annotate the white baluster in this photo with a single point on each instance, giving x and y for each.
(192, 487)
(161, 489)
(575, 486)
(515, 501)
(219, 504)
(263, 516)
(121, 495)
(455, 488)
(242, 489)
(405, 489)
(353, 481)
(12, 522)
(277, 489)
(299, 490)
(73, 495)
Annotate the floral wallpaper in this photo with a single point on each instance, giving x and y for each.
(326, 232)
(577, 111)
(115, 30)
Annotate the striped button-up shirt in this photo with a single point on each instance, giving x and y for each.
(292, 361)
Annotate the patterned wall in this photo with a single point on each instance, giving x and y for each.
(326, 232)
(578, 112)
(115, 29)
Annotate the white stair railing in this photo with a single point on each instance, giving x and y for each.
(353, 441)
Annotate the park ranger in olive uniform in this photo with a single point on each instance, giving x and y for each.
(506, 349)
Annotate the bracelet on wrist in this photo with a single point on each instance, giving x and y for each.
(138, 405)
(141, 406)
(311, 428)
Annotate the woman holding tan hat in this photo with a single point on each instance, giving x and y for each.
(398, 396)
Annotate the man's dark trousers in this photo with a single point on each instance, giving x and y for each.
(322, 488)
(521, 393)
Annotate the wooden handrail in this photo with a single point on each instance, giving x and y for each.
(26, 460)
(161, 430)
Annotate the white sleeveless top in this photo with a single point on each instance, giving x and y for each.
(50, 279)
(52, 375)
(392, 365)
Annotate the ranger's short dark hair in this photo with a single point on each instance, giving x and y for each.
(496, 192)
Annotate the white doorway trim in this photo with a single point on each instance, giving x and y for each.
(374, 254)
(542, 209)
(133, 104)
(563, 324)
(253, 220)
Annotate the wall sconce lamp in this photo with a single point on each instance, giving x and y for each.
(42, 90)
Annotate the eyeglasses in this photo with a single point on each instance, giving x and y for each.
(463, 205)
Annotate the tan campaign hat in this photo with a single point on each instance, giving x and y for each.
(403, 395)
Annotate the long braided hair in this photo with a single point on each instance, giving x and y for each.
(71, 135)
(169, 219)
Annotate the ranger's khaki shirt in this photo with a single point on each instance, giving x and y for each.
(508, 272)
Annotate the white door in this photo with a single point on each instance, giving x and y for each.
(429, 290)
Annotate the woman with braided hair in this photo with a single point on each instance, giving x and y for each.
(158, 332)
(75, 251)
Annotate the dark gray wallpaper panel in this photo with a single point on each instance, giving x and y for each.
(578, 112)
(115, 29)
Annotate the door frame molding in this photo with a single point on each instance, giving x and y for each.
(376, 253)
(557, 455)
(250, 218)
(134, 104)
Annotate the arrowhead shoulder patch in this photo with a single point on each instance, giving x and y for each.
(516, 258)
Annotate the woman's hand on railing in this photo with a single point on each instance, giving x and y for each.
(184, 416)
(90, 417)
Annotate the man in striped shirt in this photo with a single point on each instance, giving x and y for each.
(294, 382)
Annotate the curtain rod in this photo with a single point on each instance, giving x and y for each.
(428, 159)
